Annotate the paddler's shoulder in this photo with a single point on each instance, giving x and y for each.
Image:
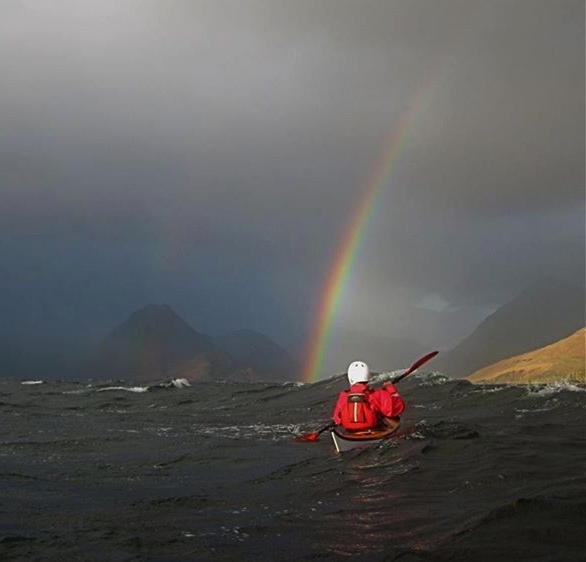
(390, 388)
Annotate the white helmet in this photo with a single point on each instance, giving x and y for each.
(358, 371)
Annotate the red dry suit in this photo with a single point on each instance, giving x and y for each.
(361, 408)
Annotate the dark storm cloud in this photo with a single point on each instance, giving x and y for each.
(241, 133)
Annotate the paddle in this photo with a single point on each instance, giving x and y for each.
(415, 366)
(314, 436)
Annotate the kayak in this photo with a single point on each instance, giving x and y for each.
(346, 441)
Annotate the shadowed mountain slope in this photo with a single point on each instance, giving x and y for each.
(542, 314)
(259, 355)
(153, 342)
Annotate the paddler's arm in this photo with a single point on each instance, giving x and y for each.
(389, 404)
(395, 403)
(337, 414)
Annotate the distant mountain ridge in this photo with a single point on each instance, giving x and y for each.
(154, 342)
(559, 361)
(542, 314)
(255, 351)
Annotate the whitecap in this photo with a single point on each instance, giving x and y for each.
(126, 388)
(531, 410)
(554, 388)
(32, 382)
(432, 379)
(180, 383)
(426, 378)
(273, 432)
(385, 376)
(485, 389)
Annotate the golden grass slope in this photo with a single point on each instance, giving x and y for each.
(559, 361)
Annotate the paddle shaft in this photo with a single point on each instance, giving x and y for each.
(416, 366)
(314, 435)
(325, 428)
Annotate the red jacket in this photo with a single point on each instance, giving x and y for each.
(386, 401)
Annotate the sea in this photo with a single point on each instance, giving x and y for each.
(114, 471)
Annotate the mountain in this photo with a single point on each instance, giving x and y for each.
(153, 342)
(258, 356)
(544, 313)
(156, 343)
(562, 360)
(212, 365)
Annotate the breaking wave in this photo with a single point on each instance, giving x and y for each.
(125, 388)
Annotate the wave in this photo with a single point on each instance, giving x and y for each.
(554, 388)
(126, 388)
(78, 391)
(425, 378)
(273, 432)
(173, 383)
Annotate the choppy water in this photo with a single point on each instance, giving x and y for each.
(210, 472)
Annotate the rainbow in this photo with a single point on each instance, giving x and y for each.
(351, 239)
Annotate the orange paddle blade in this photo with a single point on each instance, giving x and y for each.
(307, 437)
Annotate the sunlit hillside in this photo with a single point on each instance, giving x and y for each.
(562, 360)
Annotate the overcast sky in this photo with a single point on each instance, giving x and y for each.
(208, 155)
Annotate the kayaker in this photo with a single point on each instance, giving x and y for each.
(360, 408)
